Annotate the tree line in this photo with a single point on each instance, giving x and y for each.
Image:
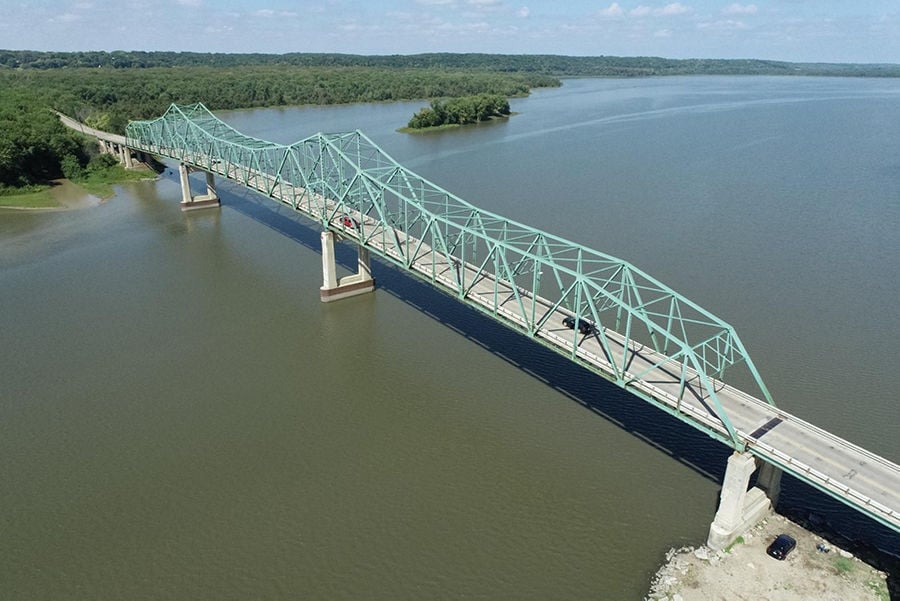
(107, 89)
(554, 65)
(460, 111)
(34, 146)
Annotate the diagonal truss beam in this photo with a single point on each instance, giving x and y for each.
(415, 224)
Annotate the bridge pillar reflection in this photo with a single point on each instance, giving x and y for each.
(739, 508)
(190, 202)
(333, 288)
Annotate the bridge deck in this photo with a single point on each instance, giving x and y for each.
(858, 477)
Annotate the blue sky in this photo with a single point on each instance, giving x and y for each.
(791, 30)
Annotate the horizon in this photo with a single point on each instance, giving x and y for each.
(795, 31)
(226, 53)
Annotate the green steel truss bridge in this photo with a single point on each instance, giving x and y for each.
(628, 327)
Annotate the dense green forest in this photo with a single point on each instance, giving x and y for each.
(107, 89)
(34, 146)
(460, 111)
(559, 66)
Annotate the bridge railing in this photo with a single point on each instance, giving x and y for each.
(358, 178)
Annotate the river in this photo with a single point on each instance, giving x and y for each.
(181, 418)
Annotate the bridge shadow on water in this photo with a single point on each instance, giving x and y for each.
(800, 502)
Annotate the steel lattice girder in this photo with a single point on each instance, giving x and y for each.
(329, 175)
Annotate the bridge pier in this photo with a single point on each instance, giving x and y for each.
(739, 508)
(334, 289)
(769, 479)
(125, 153)
(190, 202)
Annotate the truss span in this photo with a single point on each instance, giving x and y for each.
(621, 322)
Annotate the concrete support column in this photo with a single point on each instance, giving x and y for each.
(329, 270)
(211, 186)
(333, 288)
(769, 479)
(186, 197)
(739, 509)
(190, 202)
(129, 164)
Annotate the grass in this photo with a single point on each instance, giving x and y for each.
(738, 541)
(843, 565)
(98, 183)
(40, 199)
(880, 590)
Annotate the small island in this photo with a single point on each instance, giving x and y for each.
(454, 112)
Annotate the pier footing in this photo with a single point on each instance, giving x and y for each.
(739, 508)
(335, 289)
(190, 202)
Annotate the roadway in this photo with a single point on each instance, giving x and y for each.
(862, 479)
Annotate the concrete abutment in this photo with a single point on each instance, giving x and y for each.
(740, 508)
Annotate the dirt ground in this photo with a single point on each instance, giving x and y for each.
(744, 572)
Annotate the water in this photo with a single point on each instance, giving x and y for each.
(180, 417)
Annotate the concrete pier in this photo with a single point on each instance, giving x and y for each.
(739, 508)
(203, 201)
(335, 289)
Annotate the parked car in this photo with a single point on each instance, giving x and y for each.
(781, 546)
(584, 326)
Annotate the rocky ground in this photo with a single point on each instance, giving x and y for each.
(745, 572)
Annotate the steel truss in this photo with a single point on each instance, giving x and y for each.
(524, 277)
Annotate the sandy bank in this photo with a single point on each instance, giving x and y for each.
(745, 572)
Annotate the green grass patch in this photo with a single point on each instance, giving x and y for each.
(880, 590)
(843, 565)
(738, 541)
(35, 199)
(100, 183)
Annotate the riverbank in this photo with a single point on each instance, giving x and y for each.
(63, 194)
(815, 569)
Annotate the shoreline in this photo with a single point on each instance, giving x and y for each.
(71, 196)
(815, 569)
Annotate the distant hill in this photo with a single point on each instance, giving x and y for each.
(547, 64)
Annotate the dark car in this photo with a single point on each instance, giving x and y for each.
(584, 326)
(781, 546)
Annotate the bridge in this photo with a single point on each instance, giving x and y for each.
(599, 311)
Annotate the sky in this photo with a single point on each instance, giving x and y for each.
(843, 31)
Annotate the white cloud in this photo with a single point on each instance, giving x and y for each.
(524, 12)
(613, 10)
(435, 2)
(675, 8)
(190, 2)
(484, 2)
(739, 9)
(724, 25)
(268, 12)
